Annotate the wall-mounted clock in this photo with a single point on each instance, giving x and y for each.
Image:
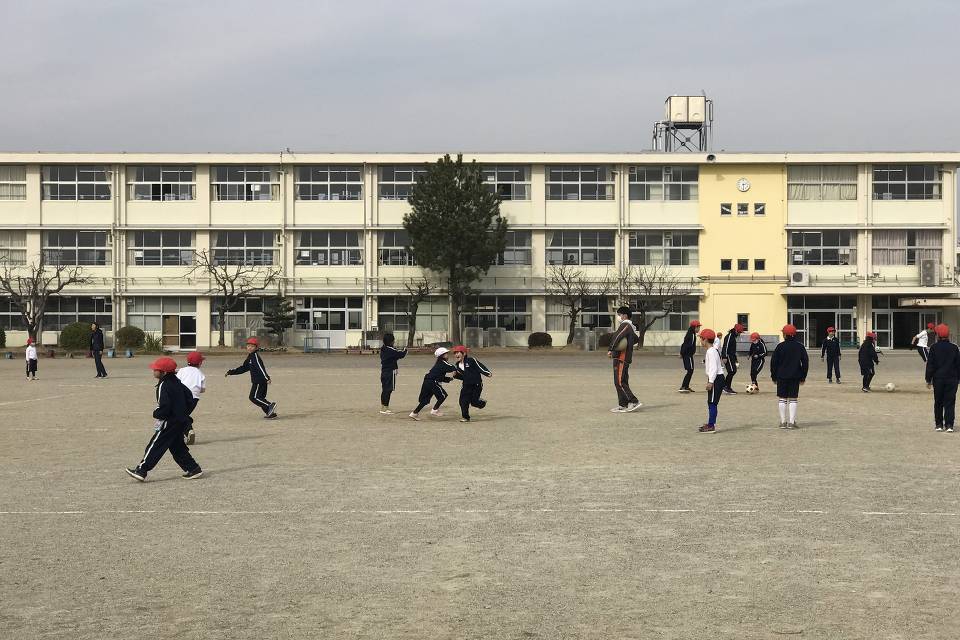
(743, 184)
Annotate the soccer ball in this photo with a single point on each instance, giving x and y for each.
(752, 388)
(890, 387)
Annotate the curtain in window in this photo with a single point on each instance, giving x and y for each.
(890, 248)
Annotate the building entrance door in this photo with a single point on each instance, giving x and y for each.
(188, 332)
(171, 332)
(882, 324)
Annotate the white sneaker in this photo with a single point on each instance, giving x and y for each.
(618, 409)
(949, 429)
(633, 406)
(385, 412)
(414, 416)
(435, 413)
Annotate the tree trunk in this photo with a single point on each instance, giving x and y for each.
(455, 320)
(412, 328)
(221, 320)
(573, 326)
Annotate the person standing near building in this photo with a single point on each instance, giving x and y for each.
(868, 359)
(943, 376)
(831, 351)
(688, 349)
(258, 379)
(30, 354)
(96, 348)
(758, 357)
(922, 341)
(728, 355)
(471, 372)
(715, 382)
(389, 355)
(621, 350)
(788, 370)
(193, 379)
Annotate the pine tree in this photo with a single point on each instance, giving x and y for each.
(278, 316)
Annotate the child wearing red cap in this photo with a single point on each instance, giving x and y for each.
(831, 351)
(258, 379)
(715, 381)
(758, 357)
(172, 418)
(922, 341)
(470, 370)
(688, 349)
(788, 370)
(868, 359)
(193, 379)
(943, 375)
(31, 356)
(728, 355)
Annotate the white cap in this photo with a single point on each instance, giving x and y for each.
(439, 352)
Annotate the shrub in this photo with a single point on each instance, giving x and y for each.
(152, 343)
(76, 337)
(3, 337)
(539, 339)
(129, 338)
(604, 340)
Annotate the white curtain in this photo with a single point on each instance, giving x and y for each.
(889, 247)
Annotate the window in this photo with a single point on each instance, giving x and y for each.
(579, 182)
(511, 313)
(726, 264)
(726, 209)
(743, 264)
(246, 313)
(250, 248)
(329, 182)
(392, 314)
(832, 247)
(10, 318)
(147, 312)
(672, 248)
(596, 313)
(664, 183)
(681, 312)
(822, 182)
(392, 250)
(580, 247)
(245, 182)
(396, 181)
(906, 182)
(517, 250)
(759, 209)
(160, 249)
(329, 314)
(759, 264)
(329, 248)
(743, 319)
(76, 182)
(13, 182)
(81, 248)
(13, 248)
(743, 209)
(901, 247)
(62, 311)
(159, 183)
(510, 182)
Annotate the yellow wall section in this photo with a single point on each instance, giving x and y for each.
(756, 293)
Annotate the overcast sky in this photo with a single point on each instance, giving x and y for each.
(512, 75)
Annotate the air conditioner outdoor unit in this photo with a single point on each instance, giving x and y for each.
(799, 278)
(928, 273)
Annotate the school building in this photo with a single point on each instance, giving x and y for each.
(858, 241)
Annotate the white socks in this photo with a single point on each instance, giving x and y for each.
(793, 412)
(783, 410)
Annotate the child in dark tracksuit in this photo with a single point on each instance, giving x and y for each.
(688, 349)
(728, 355)
(788, 370)
(758, 357)
(470, 370)
(943, 374)
(388, 371)
(258, 379)
(172, 416)
(433, 382)
(868, 358)
(831, 351)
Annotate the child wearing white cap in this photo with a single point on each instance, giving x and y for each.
(432, 386)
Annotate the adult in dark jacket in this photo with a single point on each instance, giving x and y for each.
(259, 379)
(96, 348)
(688, 349)
(728, 355)
(943, 374)
(788, 370)
(868, 359)
(831, 351)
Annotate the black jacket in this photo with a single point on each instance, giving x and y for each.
(728, 348)
(758, 350)
(389, 357)
(253, 364)
(174, 402)
(789, 361)
(830, 348)
(625, 330)
(96, 340)
(471, 370)
(440, 370)
(867, 356)
(943, 363)
(689, 345)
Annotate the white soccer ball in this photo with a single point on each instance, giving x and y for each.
(752, 388)
(890, 387)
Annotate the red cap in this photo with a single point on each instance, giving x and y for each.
(694, 323)
(29, 340)
(871, 334)
(194, 358)
(754, 336)
(708, 334)
(789, 330)
(738, 328)
(253, 341)
(943, 331)
(165, 364)
(830, 329)
(459, 349)
(930, 325)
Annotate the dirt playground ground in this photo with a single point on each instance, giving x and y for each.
(547, 517)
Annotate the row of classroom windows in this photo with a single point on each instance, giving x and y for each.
(510, 182)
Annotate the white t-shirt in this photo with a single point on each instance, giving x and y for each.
(193, 379)
(713, 365)
(922, 339)
(31, 352)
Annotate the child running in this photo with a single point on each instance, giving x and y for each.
(758, 357)
(831, 351)
(688, 349)
(470, 370)
(922, 341)
(193, 379)
(31, 356)
(868, 359)
(258, 379)
(432, 386)
(715, 381)
(388, 371)
(172, 417)
(788, 369)
(943, 374)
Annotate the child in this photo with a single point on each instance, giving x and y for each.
(715, 381)
(788, 369)
(868, 357)
(758, 357)
(388, 371)
(31, 356)
(470, 371)
(625, 337)
(688, 348)
(728, 355)
(194, 380)
(432, 384)
(922, 341)
(943, 374)
(831, 351)
(258, 379)
(172, 417)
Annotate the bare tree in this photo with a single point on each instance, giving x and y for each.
(650, 292)
(571, 286)
(29, 288)
(417, 291)
(232, 282)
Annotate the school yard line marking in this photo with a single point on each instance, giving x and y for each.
(471, 511)
(2, 404)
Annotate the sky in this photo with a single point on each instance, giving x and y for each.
(430, 75)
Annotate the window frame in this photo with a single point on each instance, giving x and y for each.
(228, 188)
(689, 254)
(308, 242)
(846, 188)
(508, 188)
(644, 182)
(320, 188)
(908, 183)
(58, 186)
(137, 242)
(483, 310)
(53, 252)
(229, 248)
(514, 249)
(391, 318)
(13, 188)
(391, 252)
(391, 188)
(307, 307)
(13, 247)
(565, 249)
(183, 190)
(809, 251)
(564, 184)
(102, 315)
(729, 264)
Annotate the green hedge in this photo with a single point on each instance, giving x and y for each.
(76, 337)
(129, 338)
(539, 339)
